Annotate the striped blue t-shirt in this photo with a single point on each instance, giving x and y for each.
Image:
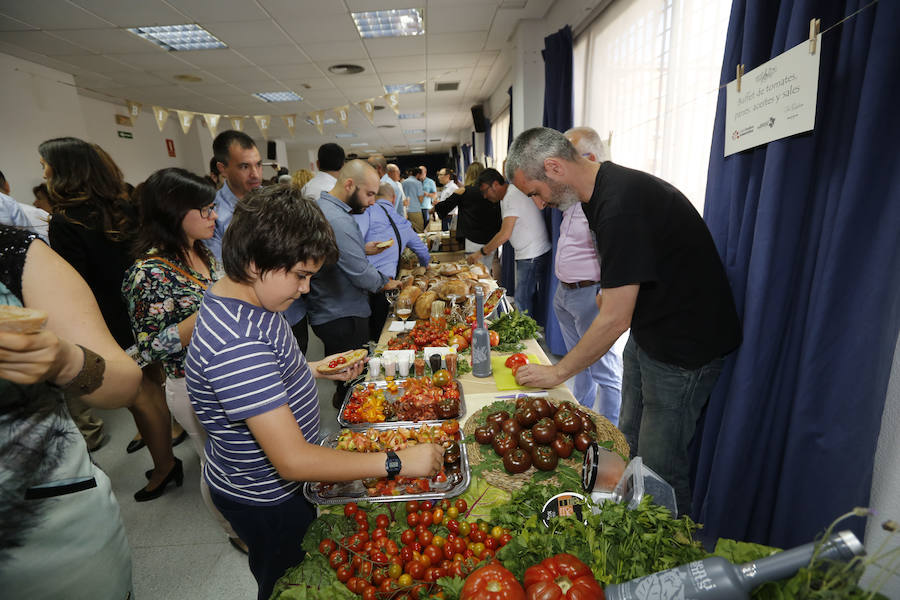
(243, 361)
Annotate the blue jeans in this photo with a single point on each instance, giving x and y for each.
(598, 387)
(660, 407)
(530, 275)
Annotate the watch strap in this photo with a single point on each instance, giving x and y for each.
(392, 465)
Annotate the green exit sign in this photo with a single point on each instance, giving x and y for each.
(125, 134)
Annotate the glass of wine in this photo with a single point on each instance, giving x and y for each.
(403, 308)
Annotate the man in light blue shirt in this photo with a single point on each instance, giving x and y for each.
(414, 191)
(338, 299)
(379, 224)
(238, 160)
(430, 188)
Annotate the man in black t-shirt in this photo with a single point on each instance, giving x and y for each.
(661, 275)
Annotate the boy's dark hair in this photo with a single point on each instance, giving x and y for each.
(164, 199)
(275, 228)
(331, 157)
(489, 177)
(224, 141)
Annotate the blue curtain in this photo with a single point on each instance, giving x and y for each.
(809, 231)
(466, 159)
(558, 114)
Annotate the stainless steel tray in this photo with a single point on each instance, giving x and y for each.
(353, 491)
(382, 383)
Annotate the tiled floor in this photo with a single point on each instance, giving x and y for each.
(178, 550)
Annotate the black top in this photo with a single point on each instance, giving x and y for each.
(479, 219)
(14, 244)
(78, 237)
(649, 234)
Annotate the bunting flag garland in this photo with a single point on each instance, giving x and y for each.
(368, 108)
(237, 123)
(212, 122)
(263, 122)
(134, 108)
(161, 115)
(185, 118)
(343, 115)
(318, 119)
(290, 122)
(393, 100)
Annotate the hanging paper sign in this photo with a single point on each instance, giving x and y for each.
(212, 121)
(777, 99)
(263, 122)
(368, 108)
(161, 115)
(134, 108)
(237, 123)
(343, 115)
(318, 119)
(185, 118)
(291, 122)
(393, 101)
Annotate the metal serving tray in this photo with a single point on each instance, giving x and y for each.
(382, 383)
(353, 491)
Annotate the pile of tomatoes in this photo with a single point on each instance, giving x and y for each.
(433, 332)
(438, 542)
(415, 399)
(538, 434)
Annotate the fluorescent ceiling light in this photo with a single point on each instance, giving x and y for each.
(413, 131)
(389, 23)
(278, 96)
(419, 151)
(343, 135)
(420, 141)
(417, 115)
(179, 37)
(405, 88)
(360, 144)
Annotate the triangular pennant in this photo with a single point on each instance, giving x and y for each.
(161, 115)
(393, 101)
(263, 122)
(212, 122)
(237, 123)
(291, 122)
(343, 115)
(318, 119)
(368, 108)
(185, 118)
(134, 108)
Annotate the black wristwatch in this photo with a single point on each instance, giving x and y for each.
(392, 464)
(483, 253)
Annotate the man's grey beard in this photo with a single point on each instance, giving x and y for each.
(564, 196)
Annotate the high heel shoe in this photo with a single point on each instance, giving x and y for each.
(176, 475)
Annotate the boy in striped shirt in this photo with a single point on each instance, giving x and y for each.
(254, 392)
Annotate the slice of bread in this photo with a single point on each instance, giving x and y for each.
(16, 319)
(386, 244)
(352, 357)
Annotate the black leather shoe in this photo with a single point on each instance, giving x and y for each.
(176, 475)
(181, 437)
(135, 445)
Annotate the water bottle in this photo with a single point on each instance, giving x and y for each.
(715, 578)
(481, 340)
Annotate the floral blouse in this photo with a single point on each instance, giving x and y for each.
(158, 299)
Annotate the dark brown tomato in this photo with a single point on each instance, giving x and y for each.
(526, 440)
(512, 427)
(517, 461)
(503, 443)
(583, 440)
(526, 417)
(485, 434)
(566, 421)
(544, 431)
(563, 444)
(544, 458)
(542, 407)
(497, 418)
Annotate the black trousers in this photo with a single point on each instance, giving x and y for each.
(301, 332)
(272, 534)
(340, 335)
(380, 310)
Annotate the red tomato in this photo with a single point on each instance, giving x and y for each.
(382, 521)
(370, 593)
(450, 427)
(350, 509)
(337, 558)
(412, 519)
(461, 505)
(492, 582)
(426, 518)
(412, 506)
(495, 338)
(452, 525)
(408, 536)
(425, 537)
(327, 546)
(516, 359)
(561, 577)
(434, 554)
(344, 573)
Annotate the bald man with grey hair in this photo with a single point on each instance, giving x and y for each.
(661, 275)
(338, 299)
(589, 144)
(392, 176)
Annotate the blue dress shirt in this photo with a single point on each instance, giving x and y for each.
(376, 227)
(12, 214)
(225, 202)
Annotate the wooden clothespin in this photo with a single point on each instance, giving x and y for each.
(740, 73)
(814, 25)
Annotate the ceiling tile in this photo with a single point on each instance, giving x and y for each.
(449, 17)
(222, 57)
(40, 42)
(52, 14)
(214, 11)
(487, 59)
(314, 83)
(239, 75)
(403, 46)
(284, 54)
(403, 77)
(138, 79)
(332, 52)
(448, 43)
(94, 62)
(356, 81)
(333, 97)
(106, 41)
(133, 13)
(248, 34)
(294, 71)
(10, 24)
(400, 64)
(212, 89)
(338, 28)
(449, 61)
(290, 10)
(155, 59)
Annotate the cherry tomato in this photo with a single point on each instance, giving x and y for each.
(370, 593)
(379, 575)
(415, 569)
(382, 521)
(406, 554)
(426, 518)
(442, 376)
(408, 536)
(452, 524)
(451, 512)
(379, 533)
(461, 505)
(495, 337)
(327, 546)
(425, 537)
(505, 539)
(337, 558)
(344, 573)
(350, 509)
(450, 427)
(394, 571)
(412, 519)
(438, 541)
(445, 504)
(404, 580)
(434, 554)
(464, 528)
(412, 506)
(437, 516)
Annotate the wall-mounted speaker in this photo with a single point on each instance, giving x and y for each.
(478, 118)
(271, 152)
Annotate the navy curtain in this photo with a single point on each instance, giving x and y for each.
(466, 159)
(809, 231)
(558, 114)
(508, 255)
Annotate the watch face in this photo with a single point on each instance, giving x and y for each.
(392, 465)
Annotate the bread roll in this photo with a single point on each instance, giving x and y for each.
(410, 293)
(422, 309)
(17, 319)
(453, 287)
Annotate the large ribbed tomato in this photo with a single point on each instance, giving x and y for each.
(561, 577)
(492, 582)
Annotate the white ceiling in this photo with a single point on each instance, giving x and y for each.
(276, 45)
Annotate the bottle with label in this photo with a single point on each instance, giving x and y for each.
(715, 578)
(481, 339)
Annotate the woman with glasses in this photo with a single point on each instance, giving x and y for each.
(164, 287)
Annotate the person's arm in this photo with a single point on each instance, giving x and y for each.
(346, 375)
(412, 241)
(50, 284)
(352, 261)
(295, 459)
(500, 238)
(446, 206)
(612, 321)
(11, 213)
